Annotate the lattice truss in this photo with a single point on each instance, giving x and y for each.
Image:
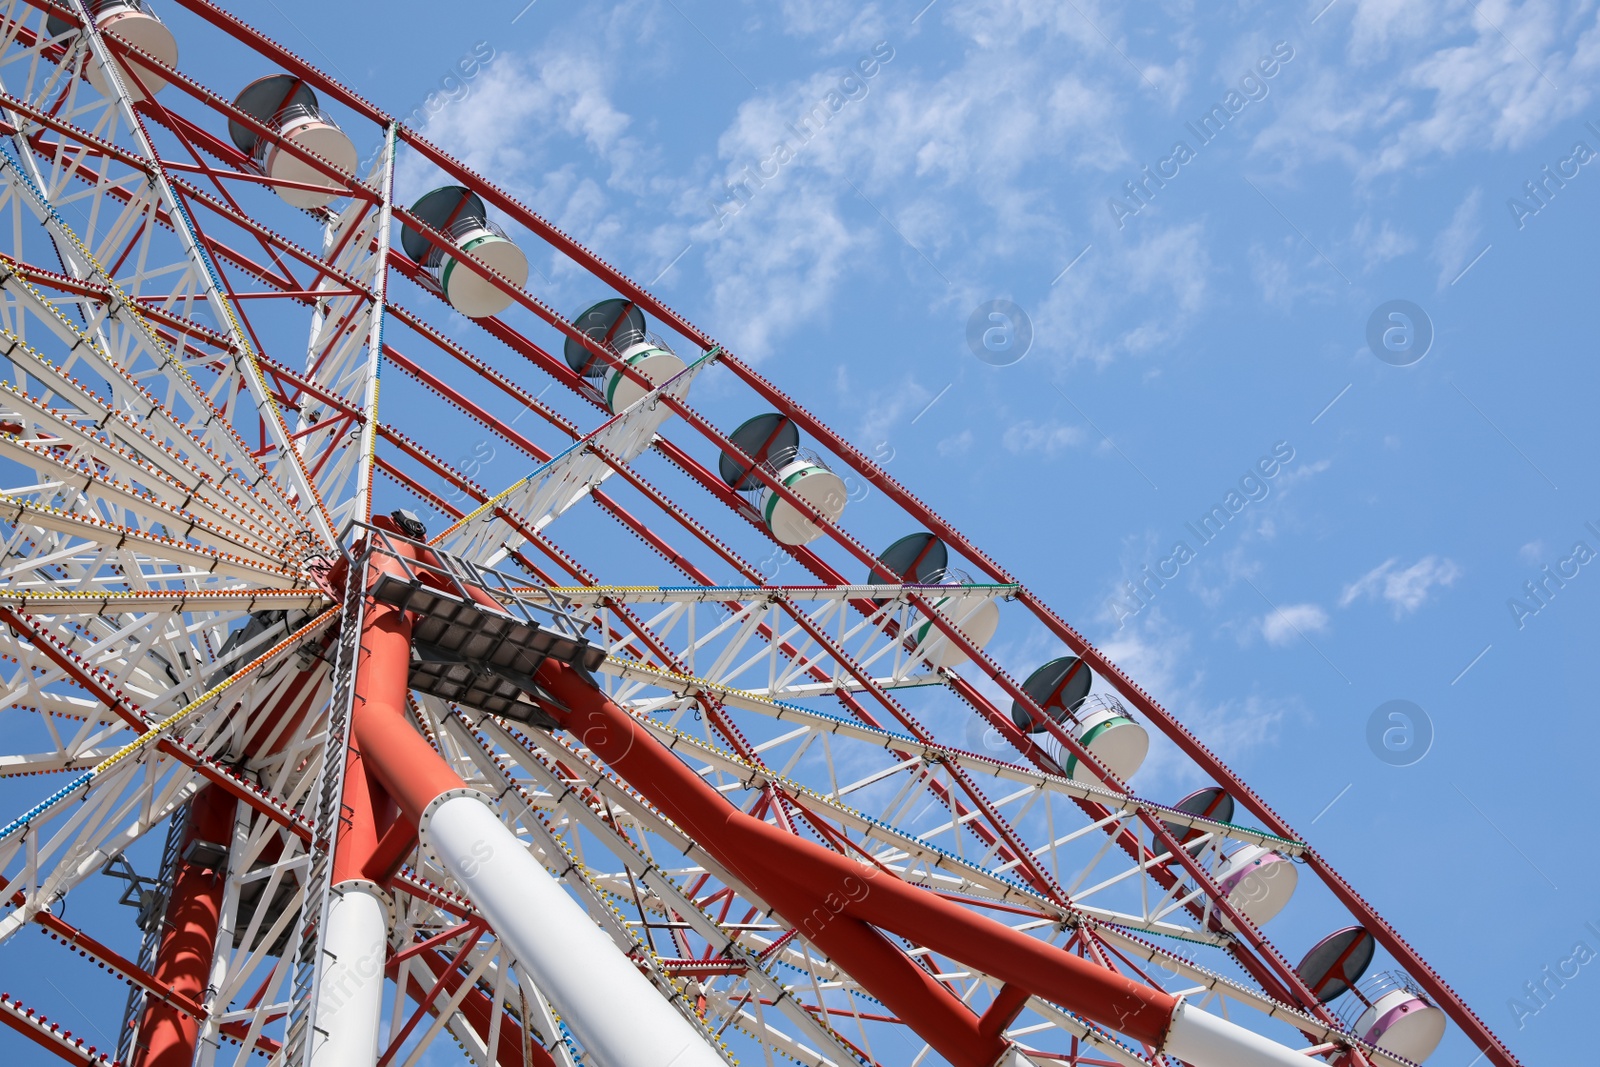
(191, 435)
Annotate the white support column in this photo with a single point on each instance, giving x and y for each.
(1207, 1040)
(611, 1007)
(210, 1038)
(354, 946)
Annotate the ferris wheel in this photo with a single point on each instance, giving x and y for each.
(396, 767)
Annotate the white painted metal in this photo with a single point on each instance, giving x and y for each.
(1411, 1027)
(818, 487)
(143, 31)
(655, 365)
(1207, 1040)
(350, 1007)
(313, 133)
(614, 1011)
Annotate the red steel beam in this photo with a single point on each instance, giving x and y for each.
(993, 831)
(116, 963)
(1263, 971)
(49, 1036)
(842, 905)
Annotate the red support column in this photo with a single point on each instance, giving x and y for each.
(386, 745)
(840, 905)
(167, 1036)
(391, 772)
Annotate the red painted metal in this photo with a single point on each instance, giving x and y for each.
(1272, 973)
(426, 1002)
(1011, 849)
(837, 902)
(358, 832)
(1034, 873)
(397, 842)
(167, 1034)
(50, 1036)
(384, 744)
(1003, 1010)
(119, 965)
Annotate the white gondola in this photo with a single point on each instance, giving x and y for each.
(923, 559)
(288, 108)
(1391, 1012)
(804, 474)
(134, 24)
(1099, 722)
(1108, 730)
(459, 214)
(654, 363)
(617, 327)
(773, 441)
(1257, 881)
(975, 614)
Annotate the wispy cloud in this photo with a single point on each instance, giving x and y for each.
(1163, 658)
(957, 445)
(1046, 437)
(1431, 79)
(1284, 626)
(1406, 589)
(1458, 242)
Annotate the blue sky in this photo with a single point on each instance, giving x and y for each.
(987, 157)
(1182, 346)
(1185, 342)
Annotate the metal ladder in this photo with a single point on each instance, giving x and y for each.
(330, 789)
(151, 941)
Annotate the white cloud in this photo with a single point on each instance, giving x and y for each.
(779, 267)
(1457, 243)
(1046, 437)
(1129, 297)
(1380, 242)
(1283, 626)
(821, 19)
(957, 445)
(877, 410)
(951, 154)
(1408, 589)
(1427, 80)
(1292, 476)
(1153, 651)
(1162, 658)
(1233, 728)
(503, 126)
(1279, 272)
